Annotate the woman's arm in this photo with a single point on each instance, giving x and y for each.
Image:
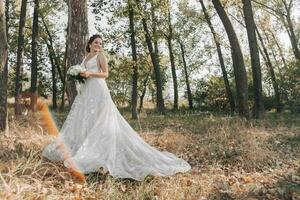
(102, 64)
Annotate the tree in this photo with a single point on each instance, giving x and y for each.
(3, 68)
(169, 37)
(187, 81)
(220, 56)
(279, 48)
(269, 64)
(54, 86)
(64, 81)
(124, 41)
(77, 38)
(240, 73)
(258, 109)
(55, 63)
(134, 94)
(19, 67)
(34, 61)
(155, 62)
(188, 22)
(282, 10)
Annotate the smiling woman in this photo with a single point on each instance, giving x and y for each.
(94, 49)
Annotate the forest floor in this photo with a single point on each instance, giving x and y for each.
(230, 158)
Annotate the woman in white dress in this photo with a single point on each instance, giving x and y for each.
(96, 135)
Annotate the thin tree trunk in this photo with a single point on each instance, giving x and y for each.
(54, 87)
(154, 30)
(145, 83)
(7, 18)
(134, 94)
(174, 76)
(292, 36)
(258, 108)
(20, 51)
(279, 48)
(240, 73)
(285, 18)
(34, 61)
(187, 82)
(3, 68)
(277, 64)
(77, 38)
(64, 82)
(283, 92)
(173, 68)
(272, 73)
(156, 65)
(55, 57)
(220, 56)
(53, 71)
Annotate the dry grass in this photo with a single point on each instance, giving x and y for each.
(230, 158)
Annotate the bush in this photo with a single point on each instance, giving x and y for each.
(211, 95)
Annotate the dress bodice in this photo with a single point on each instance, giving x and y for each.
(91, 64)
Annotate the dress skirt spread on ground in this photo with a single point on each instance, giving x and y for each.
(96, 135)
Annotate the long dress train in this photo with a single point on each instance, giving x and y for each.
(96, 135)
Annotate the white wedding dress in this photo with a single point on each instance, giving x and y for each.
(96, 135)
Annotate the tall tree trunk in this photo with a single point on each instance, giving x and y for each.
(145, 83)
(64, 82)
(286, 19)
(53, 71)
(158, 82)
(271, 71)
(7, 18)
(220, 56)
(3, 68)
(34, 61)
(54, 87)
(154, 29)
(187, 81)
(240, 73)
(52, 51)
(292, 35)
(174, 75)
(258, 109)
(173, 68)
(134, 94)
(154, 58)
(20, 51)
(77, 38)
(277, 64)
(279, 48)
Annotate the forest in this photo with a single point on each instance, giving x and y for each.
(216, 82)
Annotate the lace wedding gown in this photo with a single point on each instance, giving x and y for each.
(96, 135)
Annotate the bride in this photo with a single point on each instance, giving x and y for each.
(96, 135)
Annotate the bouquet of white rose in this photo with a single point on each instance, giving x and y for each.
(74, 73)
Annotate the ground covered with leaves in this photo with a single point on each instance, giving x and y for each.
(231, 159)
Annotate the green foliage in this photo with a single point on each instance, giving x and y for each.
(189, 27)
(119, 78)
(49, 10)
(211, 95)
(290, 85)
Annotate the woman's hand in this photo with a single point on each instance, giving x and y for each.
(86, 74)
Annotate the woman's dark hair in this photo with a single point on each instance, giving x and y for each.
(91, 40)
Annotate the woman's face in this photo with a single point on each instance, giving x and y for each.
(96, 45)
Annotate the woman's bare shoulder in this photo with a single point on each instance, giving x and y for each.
(101, 55)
